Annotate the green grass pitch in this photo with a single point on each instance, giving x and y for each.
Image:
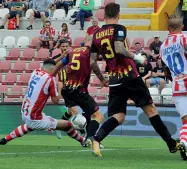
(48, 152)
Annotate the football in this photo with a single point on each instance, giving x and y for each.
(79, 122)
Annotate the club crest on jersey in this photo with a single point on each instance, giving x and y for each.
(120, 33)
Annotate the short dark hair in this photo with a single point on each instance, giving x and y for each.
(112, 10)
(49, 62)
(137, 43)
(64, 41)
(48, 22)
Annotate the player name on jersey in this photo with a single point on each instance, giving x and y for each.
(104, 33)
(171, 49)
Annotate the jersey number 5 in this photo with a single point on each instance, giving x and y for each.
(108, 47)
(76, 62)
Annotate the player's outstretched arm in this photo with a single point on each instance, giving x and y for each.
(62, 56)
(121, 49)
(95, 67)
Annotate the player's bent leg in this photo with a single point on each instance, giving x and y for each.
(66, 126)
(18, 132)
(160, 127)
(180, 102)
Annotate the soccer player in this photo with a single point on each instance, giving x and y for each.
(173, 53)
(124, 81)
(75, 88)
(72, 109)
(42, 85)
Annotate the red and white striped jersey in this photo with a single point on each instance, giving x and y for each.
(174, 56)
(41, 86)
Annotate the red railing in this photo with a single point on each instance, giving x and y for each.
(157, 4)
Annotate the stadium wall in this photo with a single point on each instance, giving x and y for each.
(160, 17)
(136, 124)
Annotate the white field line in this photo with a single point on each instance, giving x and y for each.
(73, 151)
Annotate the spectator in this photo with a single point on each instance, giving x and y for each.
(29, 4)
(46, 36)
(7, 4)
(92, 29)
(158, 76)
(144, 70)
(86, 8)
(40, 10)
(63, 34)
(184, 10)
(1, 3)
(15, 11)
(65, 4)
(154, 48)
(139, 49)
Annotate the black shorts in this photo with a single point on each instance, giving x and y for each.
(14, 13)
(78, 98)
(134, 89)
(38, 15)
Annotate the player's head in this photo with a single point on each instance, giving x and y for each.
(64, 44)
(48, 65)
(112, 11)
(175, 24)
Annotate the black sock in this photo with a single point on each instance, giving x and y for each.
(106, 128)
(92, 128)
(160, 128)
(66, 116)
(88, 119)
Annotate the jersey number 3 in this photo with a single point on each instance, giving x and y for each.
(107, 43)
(76, 62)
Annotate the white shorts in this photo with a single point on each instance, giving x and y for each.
(180, 104)
(47, 123)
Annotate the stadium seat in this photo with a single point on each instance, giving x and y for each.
(104, 92)
(149, 42)
(59, 14)
(108, 1)
(140, 40)
(27, 15)
(28, 54)
(19, 67)
(9, 41)
(14, 54)
(92, 91)
(15, 92)
(0, 77)
(2, 53)
(33, 65)
(154, 91)
(56, 52)
(167, 91)
(3, 12)
(24, 79)
(97, 4)
(78, 40)
(100, 14)
(5, 66)
(42, 54)
(9, 100)
(96, 82)
(3, 88)
(34, 42)
(70, 12)
(23, 42)
(10, 79)
(78, 3)
(103, 67)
